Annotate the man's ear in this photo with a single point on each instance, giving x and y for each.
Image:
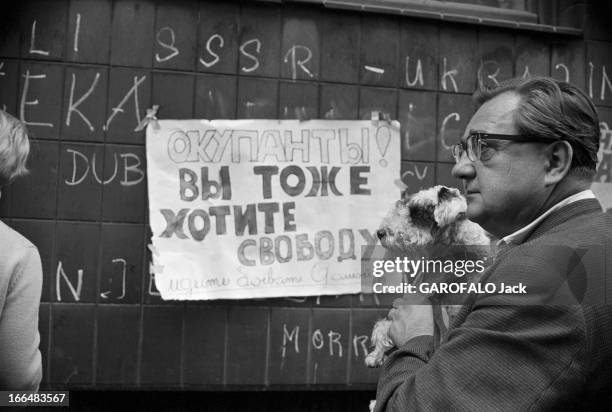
(559, 157)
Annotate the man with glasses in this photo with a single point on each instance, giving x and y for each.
(526, 161)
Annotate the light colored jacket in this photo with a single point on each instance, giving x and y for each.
(20, 290)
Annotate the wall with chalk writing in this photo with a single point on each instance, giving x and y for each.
(81, 74)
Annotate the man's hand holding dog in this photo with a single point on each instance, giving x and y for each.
(410, 318)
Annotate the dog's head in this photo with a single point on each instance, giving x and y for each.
(416, 219)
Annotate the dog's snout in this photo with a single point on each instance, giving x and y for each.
(381, 233)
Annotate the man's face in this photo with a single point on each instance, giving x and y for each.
(505, 189)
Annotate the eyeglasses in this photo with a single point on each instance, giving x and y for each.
(475, 145)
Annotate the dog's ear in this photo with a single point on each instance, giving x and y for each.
(443, 194)
(406, 196)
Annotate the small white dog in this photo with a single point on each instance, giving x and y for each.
(434, 216)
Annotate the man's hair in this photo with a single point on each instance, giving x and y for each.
(554, 110)
(14, 148)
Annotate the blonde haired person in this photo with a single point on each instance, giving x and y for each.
(20, 276)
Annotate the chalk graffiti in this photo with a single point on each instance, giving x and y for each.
(123, 262)
(77, 31)
(491, 69)
(255, 65)
(298, 62)
(294, 336)
(24, 102)
(448, 74)
(215, 56)
(167, 45)
(132, 92)
(418, 73)
(33, 49)
(61, 274)
(82, 165)
(73, 106)
(447, 118)
(566, 72)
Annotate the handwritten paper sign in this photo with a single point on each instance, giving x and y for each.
(266, 208)
(602, 184)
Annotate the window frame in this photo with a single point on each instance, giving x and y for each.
(537, 18)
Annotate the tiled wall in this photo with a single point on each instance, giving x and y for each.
(82, 72)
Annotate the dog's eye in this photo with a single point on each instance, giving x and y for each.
(443, 194)
(422, 216)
